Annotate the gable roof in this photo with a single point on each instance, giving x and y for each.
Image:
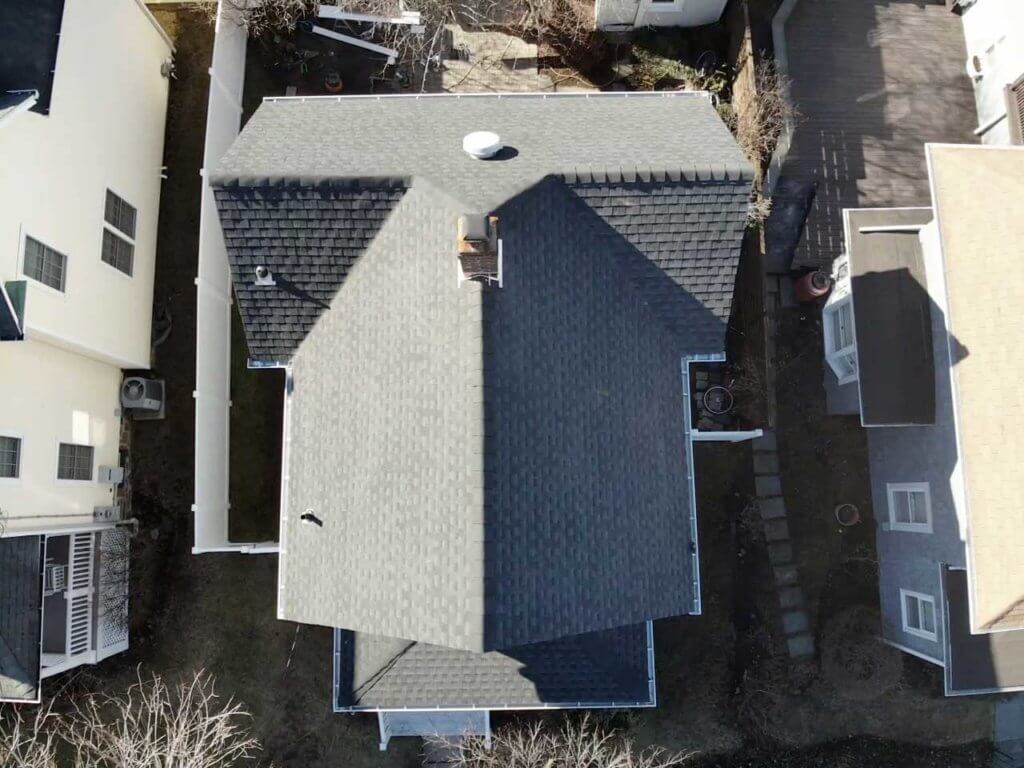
(609, 668)
(660, 169)
(977, 192)
(29, 34)
(493, 467)
(20, 617)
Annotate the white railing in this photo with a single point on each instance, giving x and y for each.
(80, 594)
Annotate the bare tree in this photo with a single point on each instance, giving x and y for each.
(579, 743)
(25, 742)
(760, 124)
(152, 724)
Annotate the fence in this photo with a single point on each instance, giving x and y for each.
(213, 302)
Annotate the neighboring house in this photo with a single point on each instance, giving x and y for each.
(994, 33)
(487, 480)
(615, 15)
(83, 94)
(920, 340)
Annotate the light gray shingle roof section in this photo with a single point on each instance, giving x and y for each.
(20, 603)
(583, 138)
(599, 669)
(491, 469)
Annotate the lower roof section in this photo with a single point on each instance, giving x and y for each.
(29, 34)
(892, 313)
(20, 617)
(988, 663)
(611, 668)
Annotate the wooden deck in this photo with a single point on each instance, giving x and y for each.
(872, 81)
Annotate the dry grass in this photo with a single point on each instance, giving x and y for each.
(579, 743)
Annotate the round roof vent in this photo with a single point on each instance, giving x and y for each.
(481, 144)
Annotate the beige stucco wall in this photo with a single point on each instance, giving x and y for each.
(105, 129)
(51, 396)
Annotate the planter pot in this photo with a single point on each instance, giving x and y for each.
(718, 400)
(847, 515)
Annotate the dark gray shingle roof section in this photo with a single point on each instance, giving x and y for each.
(493, 467)
(20, 604)
(309, 237)
(977, 663)
(892, 313)
(599, 669)
(29, 35)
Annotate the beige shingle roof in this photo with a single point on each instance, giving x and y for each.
(979, 201)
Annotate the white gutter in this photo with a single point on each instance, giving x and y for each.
(23, 106)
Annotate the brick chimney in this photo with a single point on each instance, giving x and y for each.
(479, 248)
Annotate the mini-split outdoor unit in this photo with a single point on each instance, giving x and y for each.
(143, 398)
(142, 394)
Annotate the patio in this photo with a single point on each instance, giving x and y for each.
(872, 82)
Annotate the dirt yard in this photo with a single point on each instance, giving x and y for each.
(722, 691)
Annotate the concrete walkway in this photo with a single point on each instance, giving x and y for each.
(1008, 732)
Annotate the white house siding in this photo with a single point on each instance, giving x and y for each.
(612, 14)
(994, 32)
(105, 130)
(49, 396)
(920, 455)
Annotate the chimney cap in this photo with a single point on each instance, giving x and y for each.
(481, 144)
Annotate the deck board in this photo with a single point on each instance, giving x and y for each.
(872, 81)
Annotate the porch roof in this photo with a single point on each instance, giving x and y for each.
(890, 291)
(20, 617)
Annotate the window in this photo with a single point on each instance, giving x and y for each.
(120, 215)
(74, 462)
(118, 234)
(918, 614)
(10, 456)
(117, 252)
(839, 340)
(44, 264)
(910, 507)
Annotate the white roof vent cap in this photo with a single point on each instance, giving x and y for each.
(481, 144)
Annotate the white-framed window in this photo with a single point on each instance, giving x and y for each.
(840, 349)
(10, 457)
(74, 462)
(919, 617)
(910, 507)
(44, 264)
(118, 249)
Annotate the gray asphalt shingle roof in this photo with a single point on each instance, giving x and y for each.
(29, 34)
(602, 668)
(20, 604)
(493, 467)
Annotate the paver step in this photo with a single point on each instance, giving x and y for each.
(791, 597)
(772, 508)
(800, 645)
(776, 530)
(795, 622)
(767, 485)
(765, 442)
(766, 463)
(785, 575)
(780, 553)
